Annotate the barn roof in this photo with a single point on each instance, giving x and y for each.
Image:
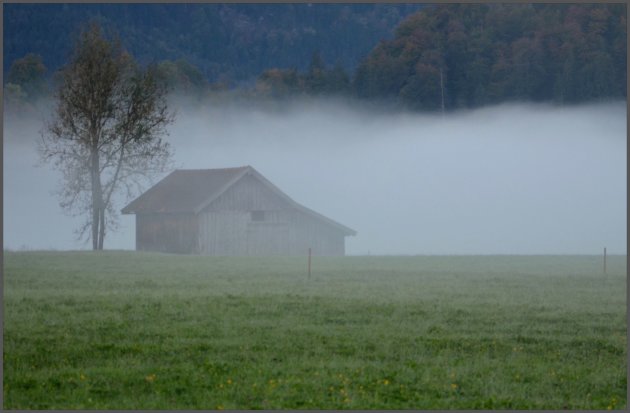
(183, 190)
(191, 190)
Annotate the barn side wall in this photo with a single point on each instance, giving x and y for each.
(308, 232)
(175, 233)
(227, 227)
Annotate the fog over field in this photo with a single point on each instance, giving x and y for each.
(509, 179)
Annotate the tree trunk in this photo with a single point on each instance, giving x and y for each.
(94, 226)
(95, 211)
(97, 202)
(101, 234)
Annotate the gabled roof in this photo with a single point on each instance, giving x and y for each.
(192, 190)
(184, 190)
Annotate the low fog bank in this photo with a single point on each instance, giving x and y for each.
(510, 179)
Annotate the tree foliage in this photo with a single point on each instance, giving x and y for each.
(227, 40)
(106, 134)
(318, 80)
(445, 56)
(494, 52)
(181, 77)
(28, 73)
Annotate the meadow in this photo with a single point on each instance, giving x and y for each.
(128, 330)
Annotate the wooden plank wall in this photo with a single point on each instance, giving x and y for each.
(226, 226)
(307, 232)
(175, 233)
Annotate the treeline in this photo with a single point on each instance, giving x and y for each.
(461, 56)
(29, 80)
(319, 79)
(457, 56)
(443, 57)
(229, 43)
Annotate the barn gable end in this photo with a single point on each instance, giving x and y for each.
(248, 193)
(233, 211)
(246, 219)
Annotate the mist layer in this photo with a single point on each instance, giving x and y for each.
(511, 179)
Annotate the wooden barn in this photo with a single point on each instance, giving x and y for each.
(231, 211)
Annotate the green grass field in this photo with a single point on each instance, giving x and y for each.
(125, 330)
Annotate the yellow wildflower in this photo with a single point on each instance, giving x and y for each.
(150, 378)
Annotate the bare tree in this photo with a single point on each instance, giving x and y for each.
(106, 132)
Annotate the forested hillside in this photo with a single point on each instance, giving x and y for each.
(228, 42)
(469, 55)
(419, 57)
